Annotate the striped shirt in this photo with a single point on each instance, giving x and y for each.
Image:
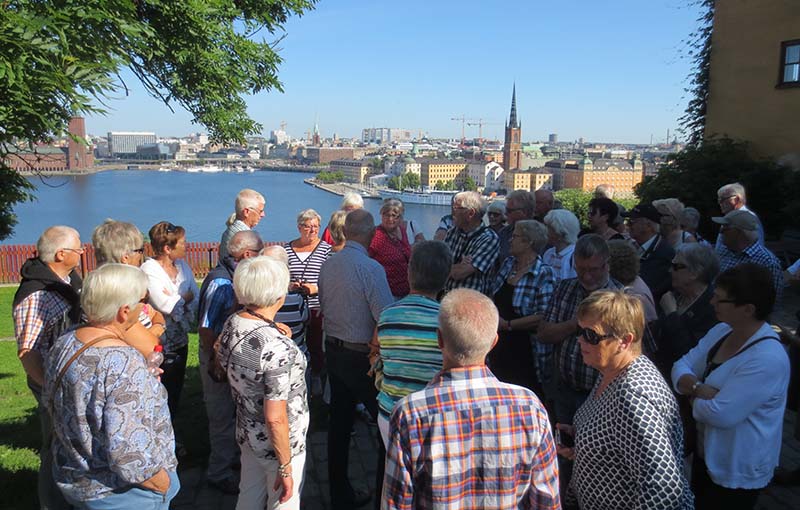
(469, 441)
(307, 270)
(236, 226)
(481, 245)
(294, 313)
(217, 305)
(409, 348)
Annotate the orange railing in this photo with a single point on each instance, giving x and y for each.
(201, 257)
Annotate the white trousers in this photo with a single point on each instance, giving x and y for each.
(258, 478)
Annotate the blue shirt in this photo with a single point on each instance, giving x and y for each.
(217, 305)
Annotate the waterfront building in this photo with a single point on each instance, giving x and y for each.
(386, 136)
(486, 174)
(400, 166)
(587, 174)
(69, 155)
(754, 80)
(354, 170)
(435, 170)
(552, 139)
(125, 143)
(530, 180)
(325, 155)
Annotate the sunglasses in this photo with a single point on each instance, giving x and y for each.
(677, 267)
(171, 228)
(138, 250)
(591, 336)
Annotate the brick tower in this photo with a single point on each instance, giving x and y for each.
(512, 148)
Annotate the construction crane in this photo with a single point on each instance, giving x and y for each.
(480, 123)
(464, 121)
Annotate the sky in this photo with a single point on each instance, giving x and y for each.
(607, 71)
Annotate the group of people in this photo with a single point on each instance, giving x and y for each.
(514, 363)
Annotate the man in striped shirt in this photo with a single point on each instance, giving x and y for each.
(468, 440)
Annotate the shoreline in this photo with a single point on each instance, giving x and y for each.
(260, 165)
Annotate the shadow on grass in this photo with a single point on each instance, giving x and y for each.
(191, 424)
(18, 489)
(6, 376)
(18, 486)
(22, 434)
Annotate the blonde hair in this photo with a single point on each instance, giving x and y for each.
(113, 240)
(618, 312)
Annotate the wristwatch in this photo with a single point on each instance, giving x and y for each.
(696, 384)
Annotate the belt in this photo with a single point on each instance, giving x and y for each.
(353, 346)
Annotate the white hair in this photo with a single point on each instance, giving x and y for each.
(53, 239)
(260, 281)
(733, 188)
(472, 200)
(533, 232)
(112, 240)
(110, 287)
(277, 252)
(468, 325)
(248, 199)
(244, 240)
(352, 200)
(564, 224)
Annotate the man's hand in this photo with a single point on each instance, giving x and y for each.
(159, 482)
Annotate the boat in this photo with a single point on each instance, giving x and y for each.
(434, 197)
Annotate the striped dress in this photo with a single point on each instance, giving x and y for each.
(409, 348)
(307, 271)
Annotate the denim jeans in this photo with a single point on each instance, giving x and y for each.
(50, 497)
(135, 497)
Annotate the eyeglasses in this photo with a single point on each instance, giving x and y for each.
(726, 198)
(591, 336)
(76, 250)
(138, 250)
(677, 266)
(309, 227)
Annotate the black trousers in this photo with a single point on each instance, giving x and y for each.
(709, 495)
(174, 367)
(350, 384)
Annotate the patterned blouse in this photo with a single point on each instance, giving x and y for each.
(262, 364)
(111, 424)
(393, 254)
(629, 445)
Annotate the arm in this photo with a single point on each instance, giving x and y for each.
(33, 365)
(160, 295)
(692, 363)
(556, 332)
(398, 483)
(207, 338)
(462, 270)
(543, 490)
(28, 328)
(277, 422)
(379, 295)
(141, 338)
(527, 323)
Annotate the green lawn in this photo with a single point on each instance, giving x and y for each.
(19, 422)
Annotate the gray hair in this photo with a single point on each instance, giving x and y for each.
(248, 199)
(277, 252)
(590, 245)
(690, 218)
(472, 200)
(112, 240)
(336, 226)
(352, 200)
(429, 266)
(308, 214)
(623, 262)
(358, 224)
(524, 200)
(733, 188)
(468, 325)
(243, 241)
(604, 191)
(496, 206)
(564, 224)
(260, 281)
(700, 260)
(53, 239)
(533, 232)
(110, 287)
(393, 204)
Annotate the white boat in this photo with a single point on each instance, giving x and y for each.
(434, 197)
(210, 169)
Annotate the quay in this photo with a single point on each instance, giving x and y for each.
(341, 188)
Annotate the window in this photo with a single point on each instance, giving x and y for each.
(790, 64)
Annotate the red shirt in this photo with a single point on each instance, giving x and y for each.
(393, 254)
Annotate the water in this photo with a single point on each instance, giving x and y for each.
(199, 202)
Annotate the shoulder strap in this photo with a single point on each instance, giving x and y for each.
(713, 352)
(73, 358)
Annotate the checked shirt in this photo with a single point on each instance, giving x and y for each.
(481, 244)
(568, 295)
(469, 441)
(755, 254)
(532, 294)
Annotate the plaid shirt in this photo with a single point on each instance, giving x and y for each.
(563, 305)
(469, 441)
(531, 296)
(756, 254)
(481, 244)
(39, 320)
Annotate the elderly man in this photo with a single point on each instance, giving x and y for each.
(217, 303)
(353, 291)
(740, 244)
(467, 437)
(46, 304)
(544, 203)
(249, 209)
(655, 252)
(732, 197)
(520, 205)
(473, 245)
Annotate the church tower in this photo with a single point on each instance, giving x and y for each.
(512, 148)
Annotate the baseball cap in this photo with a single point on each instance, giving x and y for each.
(743, 220)
(643, 210)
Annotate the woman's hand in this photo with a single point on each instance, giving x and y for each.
(563, 429)
(283, 328)
(309, 289)
(668, 303)
(285, 485)
(705, 392)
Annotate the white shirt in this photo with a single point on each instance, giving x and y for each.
(165, 296)
(562, 262)
(743, 423)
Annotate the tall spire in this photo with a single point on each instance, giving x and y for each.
(512, 122)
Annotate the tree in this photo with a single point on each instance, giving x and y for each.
(693, 121)
(62, 59)
(395, 183)
(469, 184)
(695, 174)
(576, 201)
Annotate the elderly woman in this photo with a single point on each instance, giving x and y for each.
(624, 267)
(266, 371)
(671, 210)
(628, 436)
(306, 255)
(391, 248)
(496, 214)
(121, 242)
(562, 234)
(173, 291)
(350, 202)
(737, 377)
(603, 216)
(336, 229)
(112, 438)
(689, 221)
(522, 290)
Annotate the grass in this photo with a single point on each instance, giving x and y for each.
(20, 436)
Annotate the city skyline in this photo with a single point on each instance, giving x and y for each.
(611, 73)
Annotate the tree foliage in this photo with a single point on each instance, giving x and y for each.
(693, 121)
(445, 186)
(695, 174)
(406, 180)
(330, 177)
(469, 184)
(62, 59)
(576, 201)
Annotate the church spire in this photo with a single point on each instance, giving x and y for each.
(512, 121)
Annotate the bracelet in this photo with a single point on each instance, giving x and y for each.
(696, 384)
(285, 470)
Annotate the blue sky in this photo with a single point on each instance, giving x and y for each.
(604, 70)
